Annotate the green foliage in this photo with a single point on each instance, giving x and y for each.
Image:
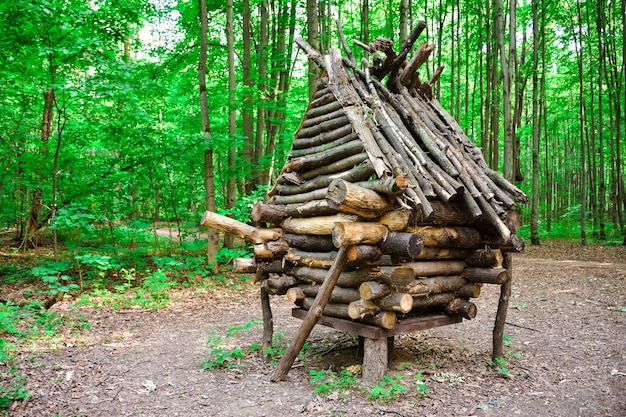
(327, 381)
(387, 389)
(221, 354)
(158, 284)
(500, 365)
(51, 274)
(422, 388)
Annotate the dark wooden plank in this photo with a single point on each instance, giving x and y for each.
(405, 326)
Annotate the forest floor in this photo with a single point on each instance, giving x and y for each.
(566, 337)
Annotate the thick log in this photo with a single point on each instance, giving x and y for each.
(322, 138)
(485, 258)
(432, 253)
(435, 300)
(312, 208)
(336, 167)
(435, 285)
(383, 319)
(461, 307)
(249, 233)
(453, 213)
(322, 225)
(339, 295)
(450, 237)
(362, 308)
(268, 213)
(328, 126)
(375, 359)
(322, 260)
(296, 295)
(278, 285)
(274, 249)
(469, 290)
(363, 253)
(372, 290)
(350, 198)
(486, 275)
(503, 307)
(397, 301)
(404, 245)
(315, 312)
(397, 276)
(396, 220)
(434, 268)
(311, 243)
(348, 234)
(266, 308)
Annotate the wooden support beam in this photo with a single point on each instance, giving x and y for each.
(249, 233)
(313, 315)
(358, 233)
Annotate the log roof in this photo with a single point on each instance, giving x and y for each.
(378, 121)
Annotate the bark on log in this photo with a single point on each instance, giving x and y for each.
(512, 244)
(397, 301)
(337, 167)
(311, 243)
(404, 245)
(278, 285)
(268, 213)
(469, 290)
(350, 198)
(435, 300)
(339, 295)
(274, 249)
(363, 253)
(461, 307)
(322, 260)
(435, 285)
(383, 319)
(434, 268)
(397, 276)
(388, 185)
(322, 138)
(451, 237)
(348, 234)
(372, 290)
(503, 306)
(322, 225)
(396, 220)
(315, 312)
(485, 258)
(432, 253)
(486, 275)
(360, 309)
(249, 233)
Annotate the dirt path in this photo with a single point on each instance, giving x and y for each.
(565, 324)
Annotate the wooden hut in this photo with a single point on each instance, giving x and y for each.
(385, 219)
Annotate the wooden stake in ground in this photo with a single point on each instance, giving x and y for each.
(312, 316)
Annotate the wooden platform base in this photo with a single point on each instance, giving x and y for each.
(377, 341)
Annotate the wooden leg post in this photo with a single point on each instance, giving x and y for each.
(312, 316)
(503, 306)
(268, 319)
(375, 359)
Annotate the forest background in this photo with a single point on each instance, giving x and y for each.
(119, 119)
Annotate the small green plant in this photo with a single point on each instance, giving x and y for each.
(422, 388)
(222, 356)
(328, 381)
(158, 285)
(387, 389)
(507, 340)
(51, 273)
(500, 365)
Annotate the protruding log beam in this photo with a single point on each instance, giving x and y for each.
(372, 290)
(268, 213)
(404, 245)
(512, 244)
(350, 198)
(397, 276)
(348, 234)
(446, 236)
(274, 249)
(486, 275)
(363, 253)
(362, 308)
(387, 185)
(485, 258)
(322, 225)
(278, 285)
(435, 285)
(249, 233)
(322, 260)
(461, 307)
(397, 301)
(471, 290)
(434, 268)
